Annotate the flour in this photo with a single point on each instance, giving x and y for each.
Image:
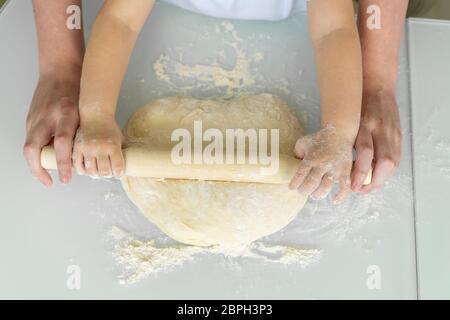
(434, 149)
(140, 259)
(438, 156)
(143, 251)
(230, 70)
(172, 70)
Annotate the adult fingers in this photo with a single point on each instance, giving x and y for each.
(397, 147)
(364, 158)
(37, 138)
(383, 170)
(385, 164)
(63, 143)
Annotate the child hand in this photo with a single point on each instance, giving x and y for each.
(98, 149)
(326, 157)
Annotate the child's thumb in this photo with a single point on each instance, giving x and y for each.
(301, 147)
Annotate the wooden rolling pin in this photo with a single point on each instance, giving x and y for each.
(140, 162)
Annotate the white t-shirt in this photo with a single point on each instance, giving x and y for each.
(271, 10)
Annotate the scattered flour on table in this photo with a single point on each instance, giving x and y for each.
(435, 149)
(171, 70)
(145, 251)
(142, 258)
(321, 222)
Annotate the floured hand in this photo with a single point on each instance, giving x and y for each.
(98, 149)
(326, 158)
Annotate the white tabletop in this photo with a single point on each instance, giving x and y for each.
(430, 76)
(43, 231)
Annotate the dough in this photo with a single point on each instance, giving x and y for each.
(206, 213)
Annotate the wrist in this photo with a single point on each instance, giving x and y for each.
(63, 72)
(377, 99)
(93, 115)
(344, 132)
(378, 88)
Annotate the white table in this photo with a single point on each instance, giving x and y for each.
(429, 50)
(43, 231)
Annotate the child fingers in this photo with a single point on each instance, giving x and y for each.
(300, 175)
(117, 163)
(311, 182)
(78, 162)
(324, 188)
(104, 165)
(90, 165)
(344, 189)
(300, 147)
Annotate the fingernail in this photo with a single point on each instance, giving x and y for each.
(65, 178)
(336, 201)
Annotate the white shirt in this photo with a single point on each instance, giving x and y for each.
(271, 10)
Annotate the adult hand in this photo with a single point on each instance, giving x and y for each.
(53, 116)
(378, 143)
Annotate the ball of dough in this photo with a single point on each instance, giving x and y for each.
(206, 213)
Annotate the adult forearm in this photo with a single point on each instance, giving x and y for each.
(338, 60)
(60, 48)
(380, 46)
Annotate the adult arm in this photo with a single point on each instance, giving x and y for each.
(53, 112)
(379, 138)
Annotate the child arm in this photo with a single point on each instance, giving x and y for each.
(98, 144)
(337, 53)
(327, 154)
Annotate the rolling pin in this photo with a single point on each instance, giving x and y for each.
(140, 162)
